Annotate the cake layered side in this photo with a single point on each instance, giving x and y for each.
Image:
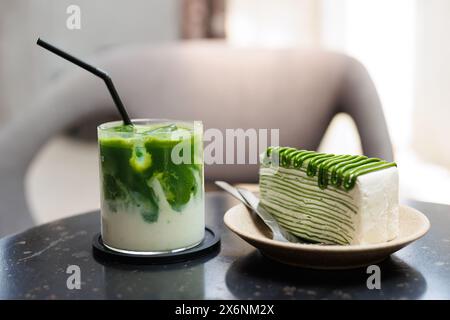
(330, 199)
(300, 206)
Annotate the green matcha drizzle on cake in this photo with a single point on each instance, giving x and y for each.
(331, 169)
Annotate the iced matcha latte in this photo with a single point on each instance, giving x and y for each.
(152, 193)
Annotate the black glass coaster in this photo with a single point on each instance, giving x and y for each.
(209, 245)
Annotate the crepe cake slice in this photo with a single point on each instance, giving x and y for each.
(330, 199)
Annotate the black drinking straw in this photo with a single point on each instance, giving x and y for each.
(94, 70)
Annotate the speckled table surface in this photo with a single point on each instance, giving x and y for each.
(33, 265)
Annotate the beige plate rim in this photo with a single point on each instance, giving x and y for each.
(425, 226)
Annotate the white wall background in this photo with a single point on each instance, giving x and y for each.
(104, 23)
(271, 23)
(381, 34)
(432, 91)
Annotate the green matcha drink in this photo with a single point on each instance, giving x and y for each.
(152, 190)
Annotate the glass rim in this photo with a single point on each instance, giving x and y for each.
(112, 124)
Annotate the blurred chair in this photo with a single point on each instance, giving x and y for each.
(298, 91)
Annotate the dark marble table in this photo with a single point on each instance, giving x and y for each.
(33, 266)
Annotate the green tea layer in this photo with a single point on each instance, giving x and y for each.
(331, 169)
(134, 157)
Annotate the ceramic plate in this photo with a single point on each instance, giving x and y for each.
(248, 226)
